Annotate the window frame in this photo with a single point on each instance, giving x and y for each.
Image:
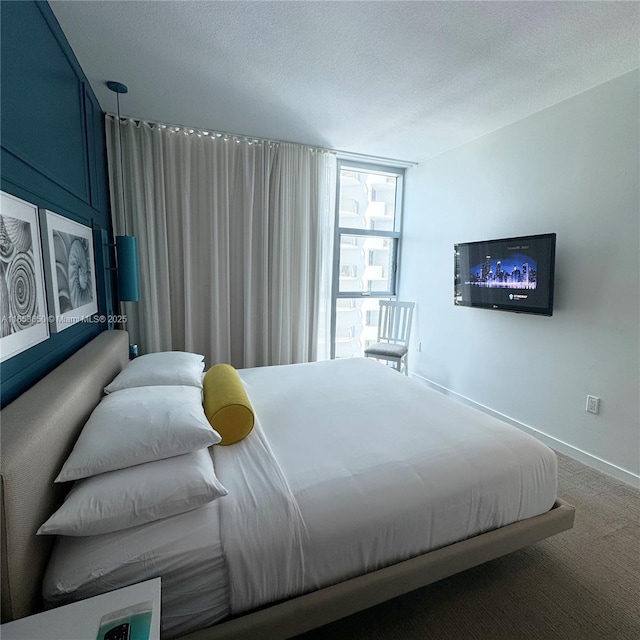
(394, 236)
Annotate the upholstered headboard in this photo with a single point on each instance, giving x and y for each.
(38, 431)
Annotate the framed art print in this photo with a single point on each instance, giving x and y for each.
(23, 308)
(72, 271)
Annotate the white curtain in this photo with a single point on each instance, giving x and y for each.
(235, 241)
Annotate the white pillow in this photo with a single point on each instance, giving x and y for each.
(163, 368)
(139, 425)
(129, 497)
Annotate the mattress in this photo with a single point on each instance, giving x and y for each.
(350, 467)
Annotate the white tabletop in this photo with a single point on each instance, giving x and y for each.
(81, 620)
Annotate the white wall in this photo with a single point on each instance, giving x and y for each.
(572, 169)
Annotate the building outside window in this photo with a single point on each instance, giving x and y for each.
(367, 244)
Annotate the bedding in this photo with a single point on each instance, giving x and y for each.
(139, 425)
(185, 550)
(128, 497)
(374, 481)
(173, 368)
(350, 467)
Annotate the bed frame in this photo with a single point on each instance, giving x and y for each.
(38, 432)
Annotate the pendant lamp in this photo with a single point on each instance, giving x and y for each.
(126, 245)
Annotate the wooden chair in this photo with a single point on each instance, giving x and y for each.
(394, 330)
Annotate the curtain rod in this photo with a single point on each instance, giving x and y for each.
(345, 155)
(215, 132)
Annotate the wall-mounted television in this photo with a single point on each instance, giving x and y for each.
(509, 274)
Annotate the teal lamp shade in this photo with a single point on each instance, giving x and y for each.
(128, 281)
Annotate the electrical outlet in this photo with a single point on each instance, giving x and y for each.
(593, 404)
(419, 347)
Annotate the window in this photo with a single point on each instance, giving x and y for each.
(348, 241)
(348, 207)
(348, 271)
(346, 333)
(367, 244)
(346, 304)
(373, 318)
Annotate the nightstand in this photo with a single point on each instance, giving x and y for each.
(81, 620)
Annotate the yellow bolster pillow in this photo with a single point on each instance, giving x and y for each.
(226, 403)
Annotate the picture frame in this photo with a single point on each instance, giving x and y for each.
(71, 276)
(23, 304)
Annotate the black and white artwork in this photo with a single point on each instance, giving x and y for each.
(72, 286)
(23, 310)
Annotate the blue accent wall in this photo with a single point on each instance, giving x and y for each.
(53, 155)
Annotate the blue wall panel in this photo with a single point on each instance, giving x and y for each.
(53, 155)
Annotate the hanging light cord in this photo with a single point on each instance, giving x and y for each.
(124, 201)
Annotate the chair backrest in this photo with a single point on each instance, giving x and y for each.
(394, 322)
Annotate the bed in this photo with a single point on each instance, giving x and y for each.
(358, 514)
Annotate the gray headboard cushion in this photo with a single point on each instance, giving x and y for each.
(38, 431)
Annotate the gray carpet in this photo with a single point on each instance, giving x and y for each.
(583, 583)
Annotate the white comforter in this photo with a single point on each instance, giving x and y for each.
(350, 467)
(373, 468)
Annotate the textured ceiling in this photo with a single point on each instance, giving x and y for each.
(406, 80)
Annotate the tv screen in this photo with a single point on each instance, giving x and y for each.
(511, 274)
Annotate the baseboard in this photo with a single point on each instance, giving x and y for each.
(558, 445)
